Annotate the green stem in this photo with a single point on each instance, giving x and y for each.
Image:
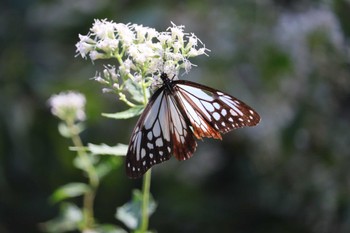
(145, 201)
(88, 199)
(123, 98)
(121, 63)
(144, 90)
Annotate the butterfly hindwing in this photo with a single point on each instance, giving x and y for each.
(184, 143)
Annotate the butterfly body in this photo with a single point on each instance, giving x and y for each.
(177, 113)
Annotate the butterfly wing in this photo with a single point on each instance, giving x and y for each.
(183, 140)
(160, 132)
(212, 112)
(177, 113)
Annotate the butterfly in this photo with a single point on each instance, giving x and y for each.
(177, 113)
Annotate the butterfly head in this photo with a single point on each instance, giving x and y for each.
(164, 76)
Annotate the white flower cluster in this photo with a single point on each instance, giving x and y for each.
(68, 106)
(142, 53)
(142, 47)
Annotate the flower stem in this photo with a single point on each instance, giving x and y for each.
(88, 199)
(145, 201)
(144, 92)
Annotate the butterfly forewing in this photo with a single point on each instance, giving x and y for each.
(160, 132)
(151, 139)
(212, 112)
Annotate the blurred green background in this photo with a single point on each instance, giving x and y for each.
(288, 59)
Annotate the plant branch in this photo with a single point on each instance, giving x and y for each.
(88, 199)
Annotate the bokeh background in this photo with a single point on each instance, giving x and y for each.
(288, 59)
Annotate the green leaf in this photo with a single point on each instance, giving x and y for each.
(68, 220)
(84, 163)
(64, 130)
(130, 212)
(131, 112)
(106, 166)
(69, 190)
(67, 132)
(135, 90)
(109, 228)
(103, 149)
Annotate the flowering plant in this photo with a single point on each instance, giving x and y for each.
(142, 54)
(69, 107)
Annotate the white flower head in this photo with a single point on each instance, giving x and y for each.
(177, 33)
(187, 65)
(144, 34)
(103, 29)
(68, 106)
(163, 39)
(126, 67)
(85, 45)
(142, 53)
(192, 41)
(151, 33)
(108, 44)
(110, 73)
(125, 34)
(94, 55)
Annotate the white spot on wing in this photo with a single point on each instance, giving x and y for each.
(156, 129)
(150, 146)
(232, 105)
(216, 116)
(223, 112)
(152, 114)
(138, 145)
(190, 111)
(182, 139)
(159, 142)
(197, 92)
(216, 105)
(143, 153)
(233, 113)
(164, 121)
(174, 116)
(208, 106)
